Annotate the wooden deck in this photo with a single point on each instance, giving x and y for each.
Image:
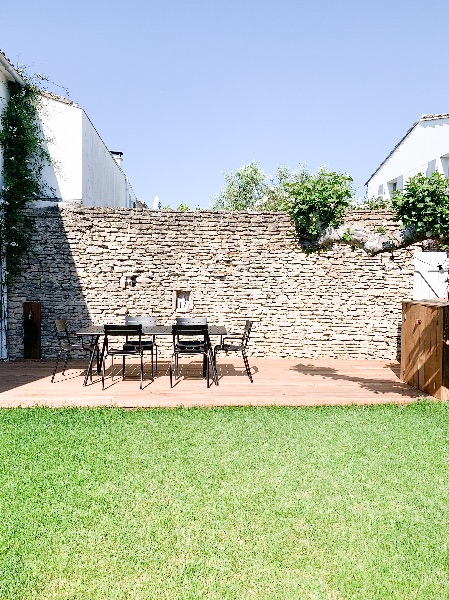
(297, 382)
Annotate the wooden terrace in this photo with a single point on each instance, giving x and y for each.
(281, 382)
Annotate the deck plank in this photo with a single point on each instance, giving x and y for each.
(282, 382)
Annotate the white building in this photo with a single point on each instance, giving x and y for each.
(423, 149)
(83, 170)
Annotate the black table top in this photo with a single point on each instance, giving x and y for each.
(98, 330)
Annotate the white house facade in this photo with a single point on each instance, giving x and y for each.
(82, 170)
(423, 149)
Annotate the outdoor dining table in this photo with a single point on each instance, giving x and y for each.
(97, 331)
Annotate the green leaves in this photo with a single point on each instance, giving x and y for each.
(244, 188)
(315, 201)
(424, 204)
(24, 155)
(319, 201)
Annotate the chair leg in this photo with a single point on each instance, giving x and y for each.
(247, 367)
(90, 367)
(141, 371)
(213, 358)
(65, 362)
(171, 372)
(207, 369)
(152, 367)
(155, 348)
(56, 366)
(102, 372)
(123, 368)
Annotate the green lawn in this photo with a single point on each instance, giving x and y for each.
(227, 503)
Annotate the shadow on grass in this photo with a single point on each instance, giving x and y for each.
(377, 386)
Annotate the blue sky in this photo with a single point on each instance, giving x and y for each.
(189, 89)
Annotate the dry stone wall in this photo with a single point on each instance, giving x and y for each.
(94, 265)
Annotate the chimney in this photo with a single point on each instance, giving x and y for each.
(118, 157)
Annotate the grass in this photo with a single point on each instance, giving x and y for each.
(325, 503)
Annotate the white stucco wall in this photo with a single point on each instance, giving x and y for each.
(430, 275)
(62, 126)
(425, 150)
(83, 169)
(104, 183)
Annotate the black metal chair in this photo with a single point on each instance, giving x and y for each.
(225, 346)
(191, 340)
(66, 346)
(134, 348)
(190, 321)
(147, 345)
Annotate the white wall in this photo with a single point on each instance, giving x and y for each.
(82, 168)
(429, 280)
(104, 183)
(424, 151)
(62, 125)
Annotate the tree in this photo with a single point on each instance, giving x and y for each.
(318, 204)
(422, 207)
(318, 201)
(244, 188)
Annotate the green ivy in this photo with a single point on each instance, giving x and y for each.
(24, 157)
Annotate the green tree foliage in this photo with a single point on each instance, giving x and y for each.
(183, 207)
(319, 201)
(277, 196)
(422, 208)
(244, 188)
(424, 205)
(315, 201)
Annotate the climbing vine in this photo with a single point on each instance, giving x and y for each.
(24, 157)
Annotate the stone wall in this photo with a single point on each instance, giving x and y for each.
(96, 265)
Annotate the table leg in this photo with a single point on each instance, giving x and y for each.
(95, 351)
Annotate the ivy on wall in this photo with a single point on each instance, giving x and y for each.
(24, 157)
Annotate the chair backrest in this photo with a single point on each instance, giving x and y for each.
(145, 321)
(62, 333)
(123, 331)
(61, 326)
(190, 331)
(246, 333)
(191, 321)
